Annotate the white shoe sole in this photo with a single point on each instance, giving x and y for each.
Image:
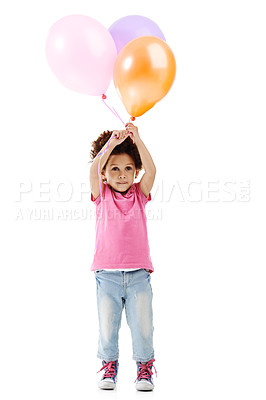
(107, 384)
(144, 385)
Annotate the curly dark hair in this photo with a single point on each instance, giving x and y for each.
(127, 146)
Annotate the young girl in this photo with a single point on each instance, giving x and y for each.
(122, 263)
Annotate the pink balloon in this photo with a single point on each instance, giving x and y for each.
(81, 53)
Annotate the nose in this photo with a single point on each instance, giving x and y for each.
(122, 175)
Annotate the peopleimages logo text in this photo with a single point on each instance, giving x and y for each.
(66, 200)
(192, 191)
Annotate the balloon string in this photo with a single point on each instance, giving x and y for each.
(101, 153)
(112, 109)
(104, 97)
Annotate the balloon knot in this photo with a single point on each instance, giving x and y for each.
(132, 118)
(103, 96)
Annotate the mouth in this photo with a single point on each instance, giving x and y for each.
(121, 183)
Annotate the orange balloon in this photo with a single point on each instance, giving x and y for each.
(144, 72)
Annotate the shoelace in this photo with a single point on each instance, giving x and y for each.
(110, 370)
(145, 371)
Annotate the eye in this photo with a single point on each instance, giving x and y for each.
(128, 168)
(114, 168)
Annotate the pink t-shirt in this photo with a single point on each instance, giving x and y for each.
(121, 233)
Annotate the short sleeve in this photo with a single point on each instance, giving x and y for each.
(98, 200)
(142, 196)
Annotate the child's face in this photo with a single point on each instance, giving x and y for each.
(120, 172)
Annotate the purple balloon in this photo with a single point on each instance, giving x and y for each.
(131, 27)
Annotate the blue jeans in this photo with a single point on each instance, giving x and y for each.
(132, 290)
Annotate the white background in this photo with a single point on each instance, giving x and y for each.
(208, 244)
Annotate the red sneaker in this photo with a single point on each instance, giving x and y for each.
(144, 378)
(109, 377)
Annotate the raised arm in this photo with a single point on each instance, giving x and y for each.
(147, 180)
(117, 137)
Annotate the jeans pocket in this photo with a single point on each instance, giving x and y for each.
(148, 271)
